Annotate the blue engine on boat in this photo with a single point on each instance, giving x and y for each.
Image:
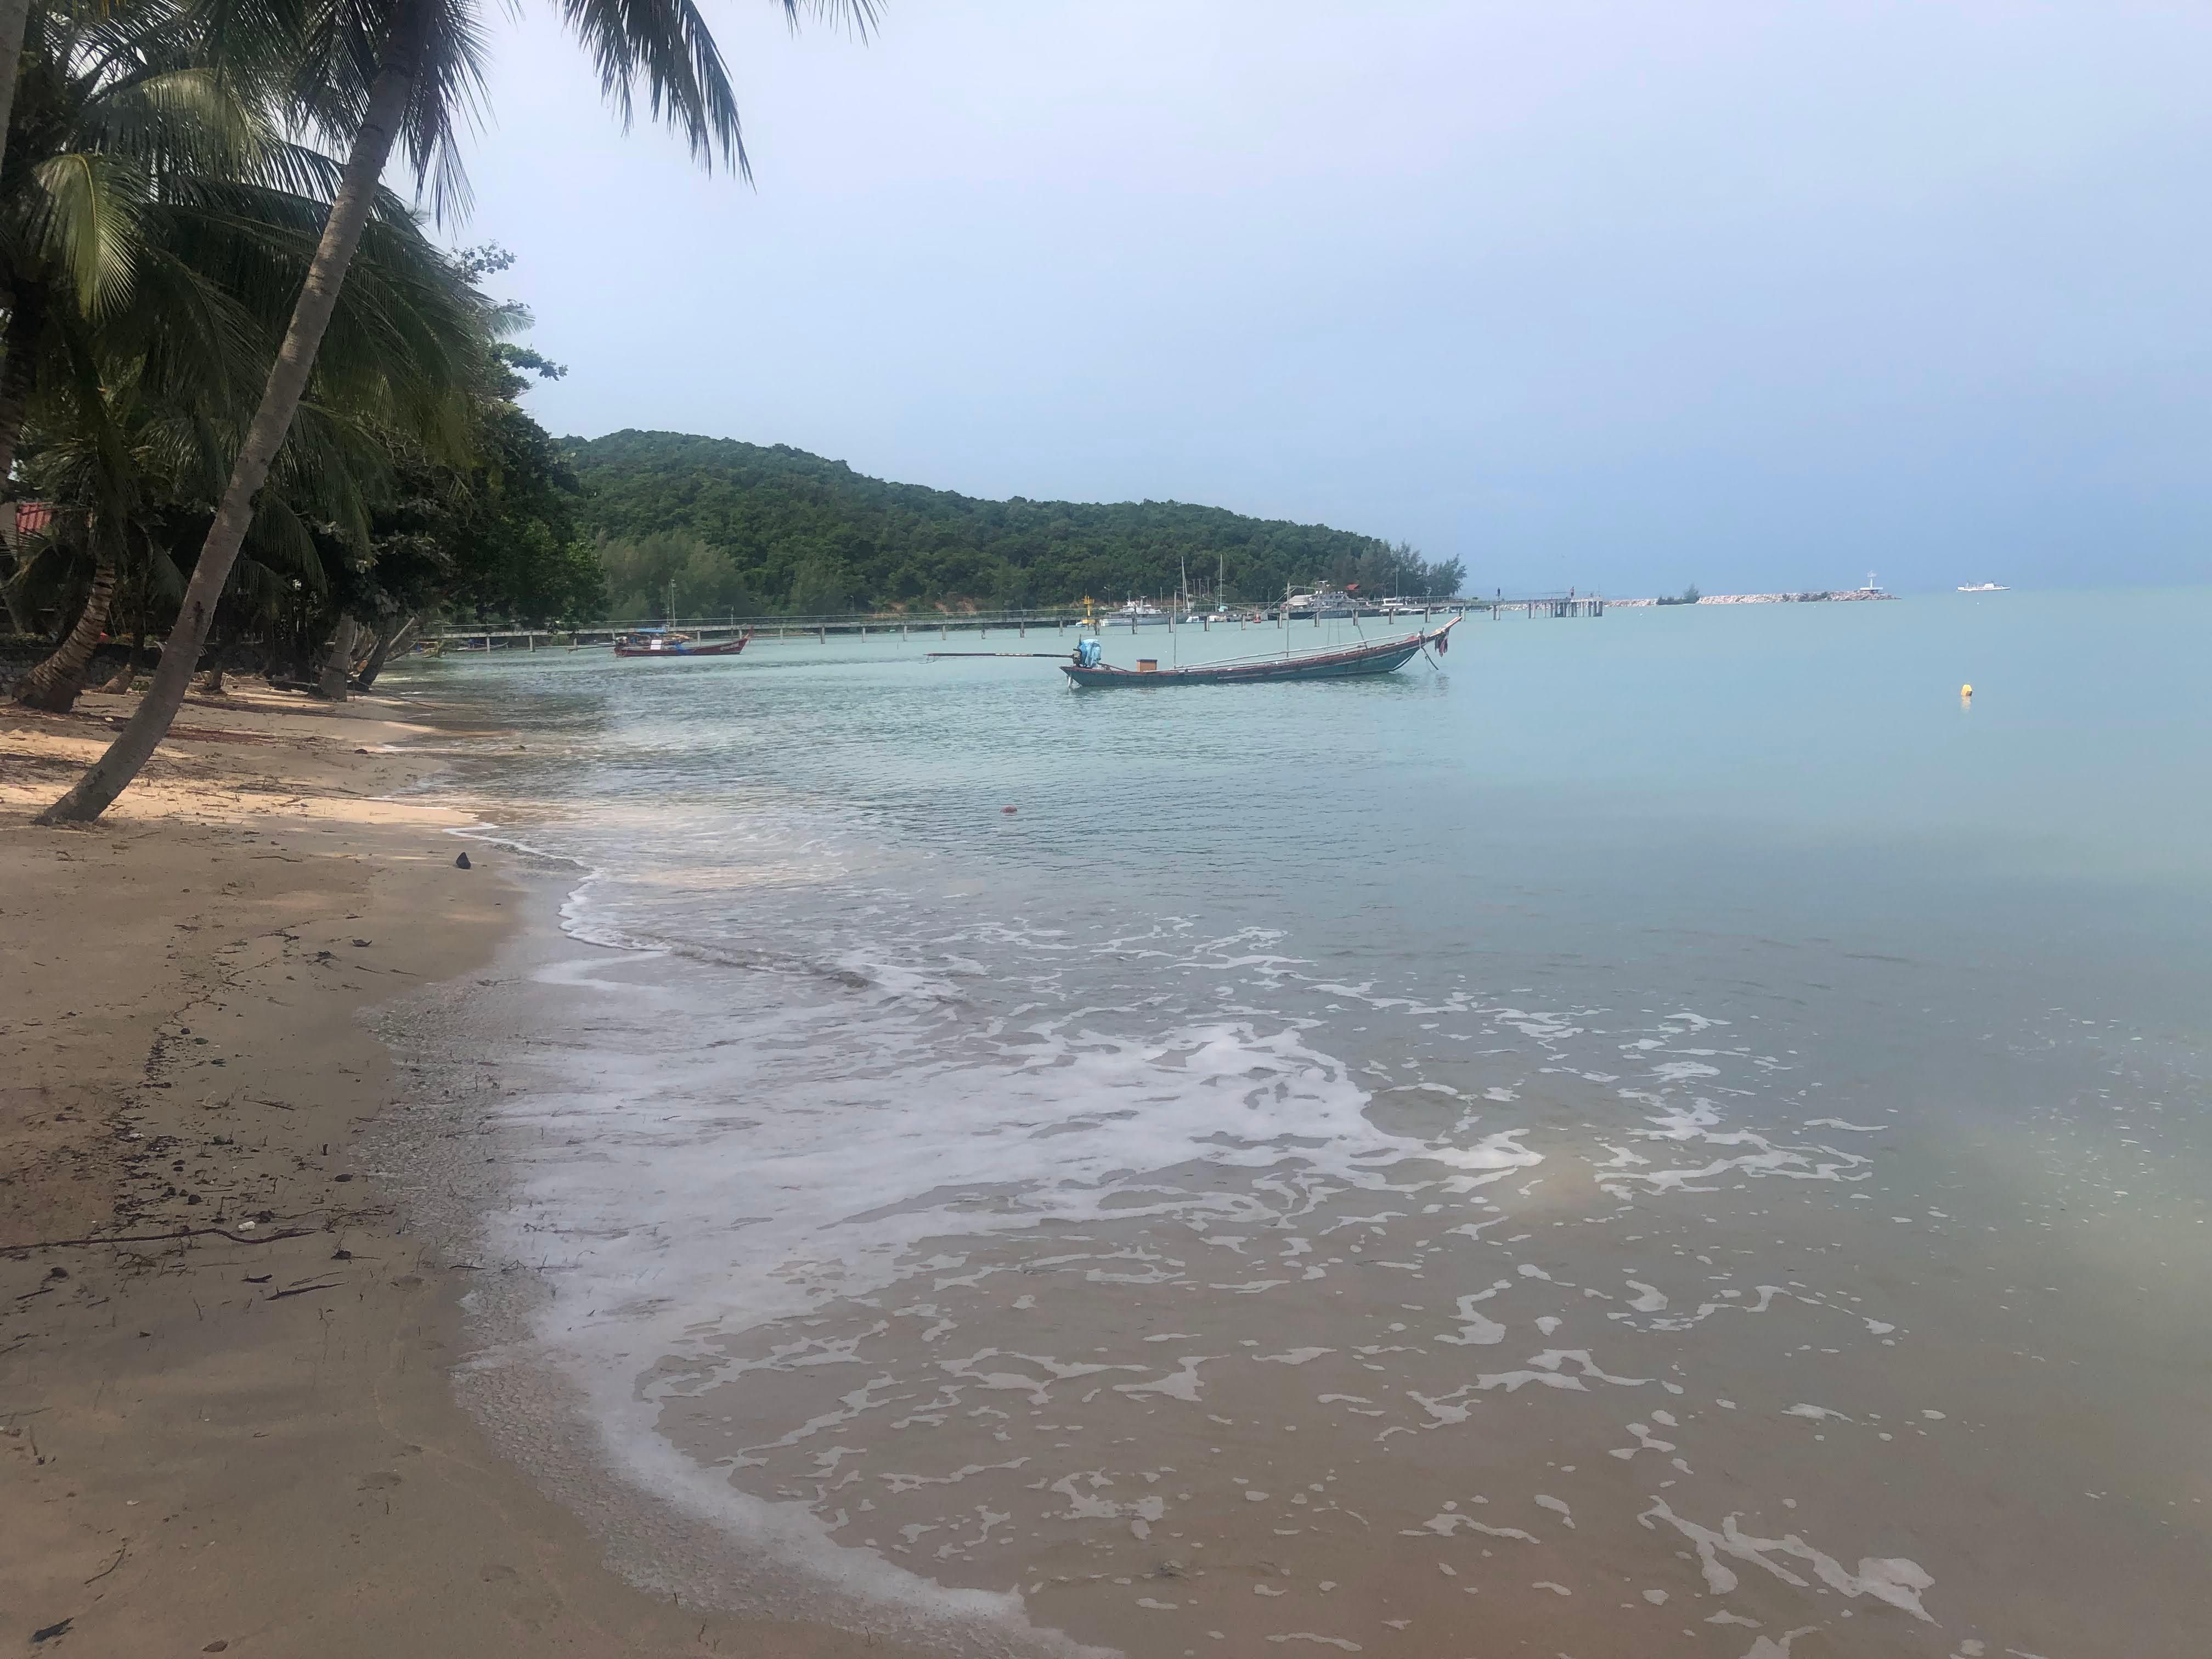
(1089, 653)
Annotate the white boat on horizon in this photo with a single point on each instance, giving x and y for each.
(1321, 600)
(1985, 587)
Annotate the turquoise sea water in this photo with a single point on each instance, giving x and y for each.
(1678, 1089)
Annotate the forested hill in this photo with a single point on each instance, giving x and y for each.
(739, 527)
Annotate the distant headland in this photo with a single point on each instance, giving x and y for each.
(744, 528)
(1871, 590)
(1838, 594)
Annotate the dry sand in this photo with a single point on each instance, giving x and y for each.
(226, 1418)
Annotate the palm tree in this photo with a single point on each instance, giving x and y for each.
(153, 230)
(413, 71)
(128, 477)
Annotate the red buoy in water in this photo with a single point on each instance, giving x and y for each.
(1008, 810)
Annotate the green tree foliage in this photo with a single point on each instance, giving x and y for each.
(821, 586)
(795, 531)
(644, 572)
(492, 538)
(471, 513)
(492, 534)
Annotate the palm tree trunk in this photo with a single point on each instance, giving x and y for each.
(111, 775)
(54, 684)
(25, 309)
(20, 618)
(386, 643)
(338, 660)
(125, 676)
(13, 14)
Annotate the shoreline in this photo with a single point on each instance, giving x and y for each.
(664, 1514)
(227, 1414)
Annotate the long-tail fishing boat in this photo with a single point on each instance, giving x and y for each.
(1339, 662)
(659, 642)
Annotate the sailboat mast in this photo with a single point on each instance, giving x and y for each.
(1175, 624)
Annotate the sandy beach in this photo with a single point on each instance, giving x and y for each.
(227, 1423)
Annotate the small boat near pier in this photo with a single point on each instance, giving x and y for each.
(660, 642)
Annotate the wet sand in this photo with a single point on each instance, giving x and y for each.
(1597, 1363)
(227, 1422)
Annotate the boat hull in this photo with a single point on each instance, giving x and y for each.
(727, 648)
(1351, 662)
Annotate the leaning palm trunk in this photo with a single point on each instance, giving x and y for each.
(53, 685)
(388, 645)
(20, 619)
(111, 775)
(364, 648)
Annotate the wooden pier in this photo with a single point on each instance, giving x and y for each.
(1019, 625)
(1551, 604)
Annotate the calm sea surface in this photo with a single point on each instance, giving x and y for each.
(1668, 1135)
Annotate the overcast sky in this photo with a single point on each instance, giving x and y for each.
(1755, 294)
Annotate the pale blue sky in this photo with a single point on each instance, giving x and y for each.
(1582, 291)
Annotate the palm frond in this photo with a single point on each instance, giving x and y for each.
(341, 48)
(86, 222)
(278, 540)
(665, 45)
(166, 581)
(196, 344)
(187, 115)
(665, 49)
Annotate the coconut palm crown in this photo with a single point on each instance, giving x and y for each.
(149, 190)
(405, 74)
(155, 225)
